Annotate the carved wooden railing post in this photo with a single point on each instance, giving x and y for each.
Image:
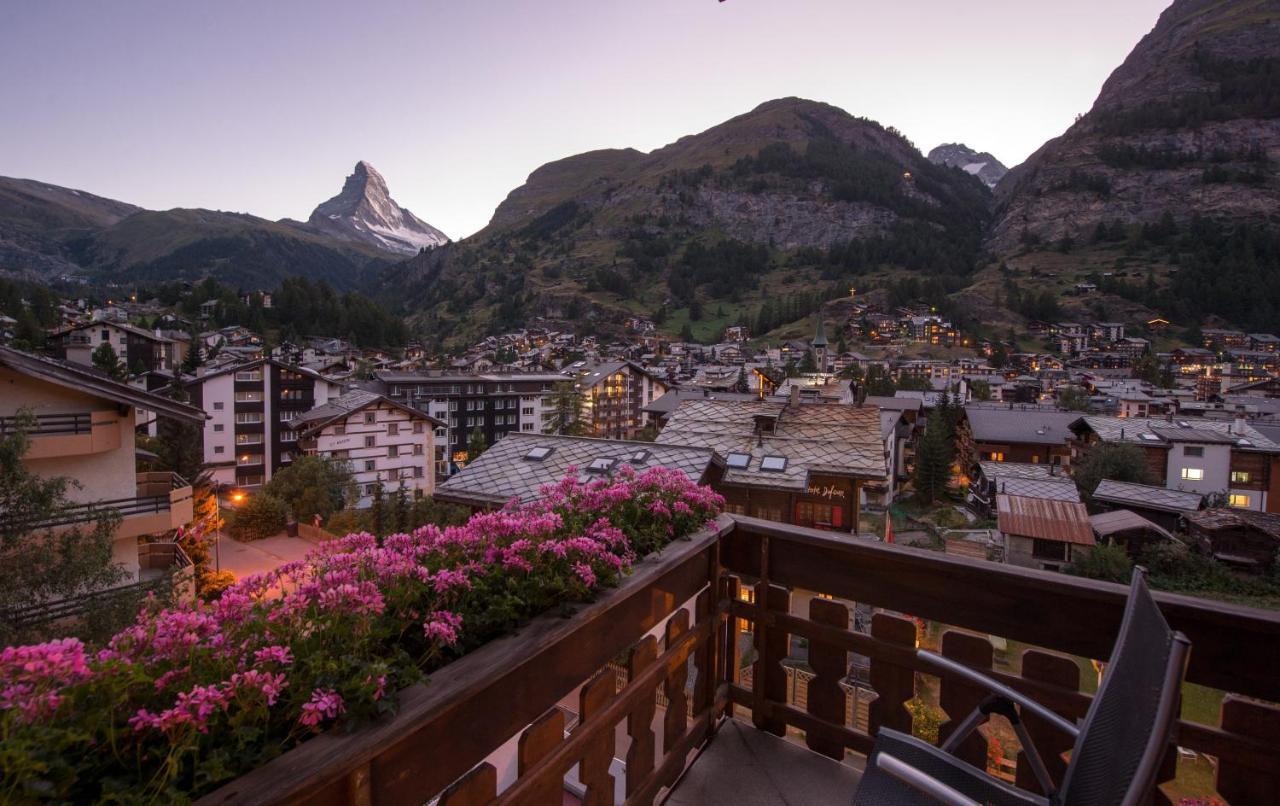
(830, 664)
(772, 644)
(1260, 722)
(536, 743)
(894, 684)
(593, 769)
(958, 699)
(676, 719)
(1051, 742)
(640, 720)
(478, 786)
(729, 655)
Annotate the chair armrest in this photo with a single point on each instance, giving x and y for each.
(995, 687)
(922, 782)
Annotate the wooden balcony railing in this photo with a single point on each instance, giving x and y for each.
(660, 659)
(49, 424)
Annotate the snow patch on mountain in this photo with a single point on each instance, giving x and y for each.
(958, 155)
(364, 211)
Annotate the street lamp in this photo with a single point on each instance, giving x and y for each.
(236, 497)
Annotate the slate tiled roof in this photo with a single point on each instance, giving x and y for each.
(1214, 519)
(1146, 496)
(1161, 432)
(826, 439)
(1106, 524)
(1033, 426)
(1058, 489)
(350, 402)
(504, 472)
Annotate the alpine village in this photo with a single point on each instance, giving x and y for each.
(784, 463)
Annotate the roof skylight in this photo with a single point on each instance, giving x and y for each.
(738, 461)
(539, 453)
(602, 465)
(773, 464)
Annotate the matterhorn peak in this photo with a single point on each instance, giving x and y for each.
(364, 211)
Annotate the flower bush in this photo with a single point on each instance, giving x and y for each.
(189, 697)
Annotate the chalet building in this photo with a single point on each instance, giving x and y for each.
(1243, 539)
(1217, 339)
(252, 406)
(1010, 433)
(1196, 455)
(140, 350)
(1160, 505)
(1269, 388)
(614, 393)
(519, 466)
(790, 462)
(989, 480)
(1125, 528)
(84, 426)
(1043, 533)
(496, 403)
(1264, 342)
(384, 442)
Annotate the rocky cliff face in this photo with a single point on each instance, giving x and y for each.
(980, 164)
(364, 211)
(1188, 126)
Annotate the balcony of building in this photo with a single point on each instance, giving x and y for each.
(162, 501)
(755, 663)
(55, 436)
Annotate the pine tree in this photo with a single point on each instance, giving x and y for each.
(933, 459)
(476, 444)
(105, 358)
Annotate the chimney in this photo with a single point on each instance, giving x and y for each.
(1237, 427)
(794, 400)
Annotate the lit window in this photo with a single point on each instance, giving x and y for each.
(737, 460)
(1239, 477)
(1238, 500)
(773, 464)
(1192, 474)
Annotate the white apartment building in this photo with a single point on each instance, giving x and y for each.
(384, 442)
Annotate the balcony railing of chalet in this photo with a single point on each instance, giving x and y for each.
(153, 497)
(49, 424)
(684, 607)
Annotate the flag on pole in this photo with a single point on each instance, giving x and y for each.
(888, 526)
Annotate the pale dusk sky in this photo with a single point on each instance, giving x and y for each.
(264, 107)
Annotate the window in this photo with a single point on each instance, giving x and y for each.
(217, 406)
(340, 430)
(291, 394)
(219, 449)
(418, 450)
(288, 416)
(737, 461)
(288, 436)
(1239, 477)
(419, 428)
(217, 427)
(814, 513)
(248, 439)
(1238, 500)
(370, 417)
(601, 465)
(527, 411)
(539, 453)
(1192, 474)
(249, 459)
(249, 418)
(1048, 550)
(526, 426)
(250, 479)
(370, 441)
(249, 375)
(993, 456)
(417, 472)
(773, 464)
(106, 335)
(393, 429)
(768, 513)
(368, 464)
(1193, 450)
(370, 489)
(393, 451)
(639, 457)
(248, 397)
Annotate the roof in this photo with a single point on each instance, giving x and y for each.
(347, 404)
(813, 438)
(1043, 519)
(240, 366)
(1160, 432)
(125, 326)
(898, 403)
(394, 376)
(1106, 524)
(671, 401)
(503, 472)
(1056, 489)
(1146, 496)
(1214, 519)
(90, 381)
(1012, 425)
(1017, 470)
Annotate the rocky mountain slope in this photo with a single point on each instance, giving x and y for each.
(48, 231)
(792, 197)
(1188, 125)
(365, 212)
(981, 164)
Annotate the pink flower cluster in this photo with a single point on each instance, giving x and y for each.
(355, 620)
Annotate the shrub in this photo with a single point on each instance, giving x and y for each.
(194, 695)
(260, 516)
(1107, 561)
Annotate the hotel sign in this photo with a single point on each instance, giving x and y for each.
(827, 491)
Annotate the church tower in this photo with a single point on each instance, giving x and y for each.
(819, 345)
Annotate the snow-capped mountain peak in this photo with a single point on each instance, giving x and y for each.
(958, 155)
(364, 211)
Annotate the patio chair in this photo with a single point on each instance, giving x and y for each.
(1118, 747)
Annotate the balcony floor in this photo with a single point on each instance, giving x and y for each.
(745, 766)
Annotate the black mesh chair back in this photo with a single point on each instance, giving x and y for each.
(1125, 735)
